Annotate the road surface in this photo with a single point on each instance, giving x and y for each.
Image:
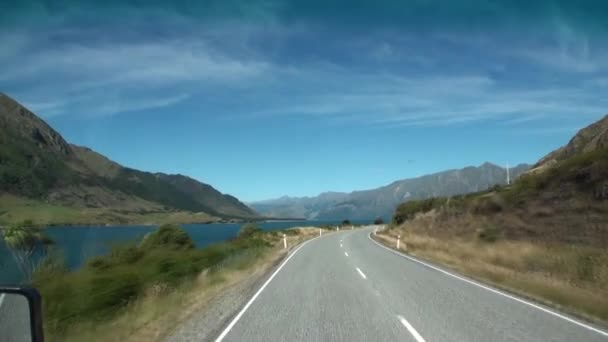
(346, 287)
(14, 318)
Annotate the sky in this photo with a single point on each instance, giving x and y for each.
(268, 98)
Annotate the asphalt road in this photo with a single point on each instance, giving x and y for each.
(345, 287)
(14, 318)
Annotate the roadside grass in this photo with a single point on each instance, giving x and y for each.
(572, 278)
(141, 292)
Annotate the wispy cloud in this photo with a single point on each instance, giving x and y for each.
(271, 69)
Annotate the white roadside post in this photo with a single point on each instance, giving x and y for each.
(398, 241)
(284, 241)
(320, 232)
(338, 228)
(375, 231)
(352, 227)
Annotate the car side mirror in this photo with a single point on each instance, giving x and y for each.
(20, 315)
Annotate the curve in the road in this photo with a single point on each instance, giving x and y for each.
(498, 292)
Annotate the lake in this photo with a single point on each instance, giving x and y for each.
(78, 244)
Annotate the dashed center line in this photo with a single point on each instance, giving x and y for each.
(411, 329)
(345, 253)
(361, 273)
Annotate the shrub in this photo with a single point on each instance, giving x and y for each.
(378, 221)
(248, 230)
(489, 234)
(107, 293)
(168, 236)
(290, 232)
(408, 210)
(125, 254)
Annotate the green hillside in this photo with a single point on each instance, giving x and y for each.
(38, 166)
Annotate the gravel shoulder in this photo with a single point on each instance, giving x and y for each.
(207, 322)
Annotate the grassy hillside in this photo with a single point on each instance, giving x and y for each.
(63, 183)
(17, 209)
(545, 236)
(565, 204)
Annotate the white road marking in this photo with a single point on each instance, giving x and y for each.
(240, 314)
(340, 245)
(553, 313)
(345, 253)
(1, 299)
(411, 329)
(361, 273)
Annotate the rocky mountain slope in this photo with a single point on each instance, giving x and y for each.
(37, 163)
(381, 202)
(564, 199)
(588, 139)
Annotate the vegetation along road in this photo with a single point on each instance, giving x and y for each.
(348, 287)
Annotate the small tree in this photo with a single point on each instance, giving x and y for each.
(346, 222)
(28, 246)
(379, 221)
(168, 236)
(248, 230)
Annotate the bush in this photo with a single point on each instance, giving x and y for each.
(108, 283)
(408, 210)
(290, 232)
(489, 234)
(168, 236)
(346, 223)
(107, 293)
(125, 254)
(378, 221)
(248, 230)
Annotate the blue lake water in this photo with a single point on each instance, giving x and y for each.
(77, 244)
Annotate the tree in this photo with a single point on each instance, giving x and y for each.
(379, 220)
(168, 236)
(28, 246)
(346, 222)
(248, 230)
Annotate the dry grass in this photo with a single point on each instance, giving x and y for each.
(573, 278)
(154, 316)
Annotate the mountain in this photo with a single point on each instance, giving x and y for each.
(381, 202)
(37, 163)
(588, 139)
(298, 207)
(563, 200)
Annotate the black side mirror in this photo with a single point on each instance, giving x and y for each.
(20, 315)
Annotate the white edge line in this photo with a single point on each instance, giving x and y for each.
(1, 299)
(411, 329)
(361, 273)
(238, 316)
(553, 313)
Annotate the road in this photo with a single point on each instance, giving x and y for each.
(346, 287)
(14, 318)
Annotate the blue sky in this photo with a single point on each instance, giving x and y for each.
(267, 98)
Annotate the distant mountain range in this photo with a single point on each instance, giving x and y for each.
(381, 202)
(37, 163)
